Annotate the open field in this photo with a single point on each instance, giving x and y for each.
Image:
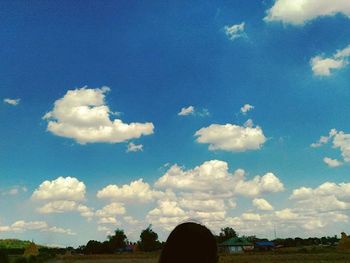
(236, 258)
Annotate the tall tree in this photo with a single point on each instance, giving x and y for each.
(149, 240)
(118, 240)
(225, 234)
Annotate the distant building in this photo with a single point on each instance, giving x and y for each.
(236, 245)
(264, 245)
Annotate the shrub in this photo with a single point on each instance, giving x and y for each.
(3, 257)
(20, 260)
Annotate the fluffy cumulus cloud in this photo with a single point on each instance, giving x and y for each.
(22, 226)
(108, 214)
(13, 102)
(206, 194)
(214, 177)
(82, 115)
(323, 66)
(231, 137)
(235, 31)
(246, 107)
(313, 209)
(341, 141)
(328, 196)
(297, 12)
(61, 188)
(262, 204)
(316, 208)
(134, 147)
(137, 191)
(63, 194)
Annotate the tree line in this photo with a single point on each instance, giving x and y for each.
(118, 242)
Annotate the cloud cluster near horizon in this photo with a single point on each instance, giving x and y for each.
(208, 193)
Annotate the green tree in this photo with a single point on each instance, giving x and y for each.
(149, 240)
(225, 234)
(118, 240)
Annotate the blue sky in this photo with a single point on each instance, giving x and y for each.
(144, 63)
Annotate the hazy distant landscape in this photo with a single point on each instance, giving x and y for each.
(241, 258)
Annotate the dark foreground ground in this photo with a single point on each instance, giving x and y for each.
(240, 258)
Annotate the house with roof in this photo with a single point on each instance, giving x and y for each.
(236, 245)
(264, 245)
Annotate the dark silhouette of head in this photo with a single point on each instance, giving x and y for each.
(190, 243)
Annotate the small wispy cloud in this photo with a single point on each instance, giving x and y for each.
(235, 31)
(246, 107)
(191, 110)
(13, 102)
(324, 66)
(134, 147)
(332, 162)
(186, 111)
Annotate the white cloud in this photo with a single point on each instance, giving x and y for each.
(190, 110)
(108, 214)
(206, 193)
(332, 162)
(167, 215)
(167, 209)
(297, 12)
(194, 204)
(186, 111)
(341, 140)
(15, 190)
(63, 194)
(326, 197)
(130, 220)
(134, 147)
(111, 210)
(137, 191)
(62, 188)
(22, 226)
(262, 204)
(60, 230)
(231, 137)
(267, 183)
(286, 214)
(83, 115)
(59, 206)
(213, 177)
(322, 66)
(324, 139)
(249, 123)
(251, 217)
(235, 31)
(13, 102)
(246, 107)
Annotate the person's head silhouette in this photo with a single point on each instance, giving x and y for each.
(190, 243)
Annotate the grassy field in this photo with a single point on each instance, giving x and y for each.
(235, 258)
